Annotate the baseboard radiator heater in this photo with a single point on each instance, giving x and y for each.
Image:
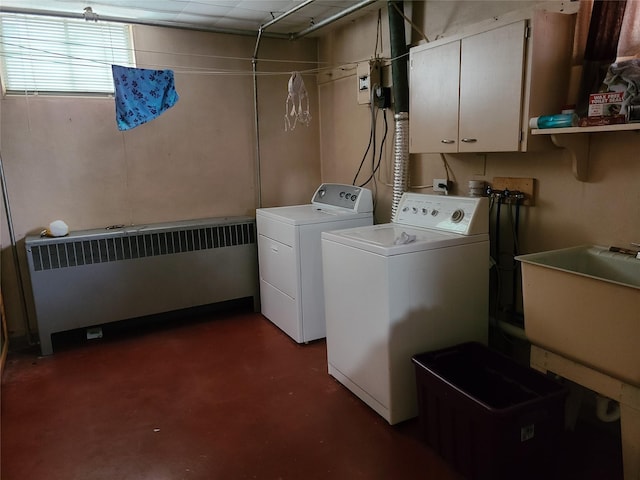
(94, 277)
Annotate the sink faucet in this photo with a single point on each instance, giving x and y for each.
(628, 251)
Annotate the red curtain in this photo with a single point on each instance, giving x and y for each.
(601, 48)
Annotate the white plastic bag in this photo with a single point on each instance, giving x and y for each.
(297, 104)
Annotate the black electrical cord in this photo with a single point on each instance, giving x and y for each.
(497, 242)
(516, 249)
(516, 246)
(374, 117)
(497, 198)
(378, 34)
(375, 167)
(384, 139)
(494, 274)
(372, 135)
(364, 157)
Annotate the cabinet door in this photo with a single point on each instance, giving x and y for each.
(491, 86)
(433, 99)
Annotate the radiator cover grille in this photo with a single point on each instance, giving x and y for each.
(93, 277)
(63, 254)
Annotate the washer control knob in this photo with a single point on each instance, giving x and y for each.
(457, 216)
(354, 197)
(424, 211)
(347, 196)
(342, 194)
(434, 213)
(322, 192)
(405, 209)
(414, 209)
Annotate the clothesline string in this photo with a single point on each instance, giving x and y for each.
(197, 70)
(136, 50)
(188, 71)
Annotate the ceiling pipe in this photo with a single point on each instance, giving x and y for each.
(327, 21)
(264, 26)
(287, 13)
(148, 23)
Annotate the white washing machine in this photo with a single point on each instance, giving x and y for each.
(290, 255)
(393, 290)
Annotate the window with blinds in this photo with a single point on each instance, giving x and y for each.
(46, 55)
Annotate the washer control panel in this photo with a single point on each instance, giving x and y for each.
(349, 197)
(464, 215)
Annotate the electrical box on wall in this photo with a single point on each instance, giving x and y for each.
(382, 96)
(368, 76)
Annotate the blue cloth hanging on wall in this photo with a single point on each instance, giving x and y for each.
(142, 94)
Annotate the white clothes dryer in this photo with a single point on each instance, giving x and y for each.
(290, 255)
(394, 290)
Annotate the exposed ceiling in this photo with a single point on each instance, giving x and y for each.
(297, 17)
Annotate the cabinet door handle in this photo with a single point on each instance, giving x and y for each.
(448, 142)
(469, 140)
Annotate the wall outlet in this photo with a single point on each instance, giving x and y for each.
(441, 185)
(368, 74)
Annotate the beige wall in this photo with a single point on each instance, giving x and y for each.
(604, 210)
(65, 158)
(345, 124)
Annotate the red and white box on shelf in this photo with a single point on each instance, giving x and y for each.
(604, 109)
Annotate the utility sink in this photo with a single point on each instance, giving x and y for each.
(584, 303)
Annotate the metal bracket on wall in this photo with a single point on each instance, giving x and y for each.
(525, 186)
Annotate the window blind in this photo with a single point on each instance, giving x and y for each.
(63, 56)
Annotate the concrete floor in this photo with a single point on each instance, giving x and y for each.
(221, 395)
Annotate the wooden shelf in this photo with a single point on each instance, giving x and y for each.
(603, 128)
(575, 141)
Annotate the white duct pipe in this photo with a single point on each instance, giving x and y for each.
(400, 159)
(607, 410)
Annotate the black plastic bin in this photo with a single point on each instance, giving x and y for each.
(488, 416)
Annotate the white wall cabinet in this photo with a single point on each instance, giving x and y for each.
(434, 100)
(476, 93)
(491, 84)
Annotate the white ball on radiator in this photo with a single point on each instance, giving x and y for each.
(57, 228)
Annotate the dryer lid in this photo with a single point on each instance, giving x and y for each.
(307, 214)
